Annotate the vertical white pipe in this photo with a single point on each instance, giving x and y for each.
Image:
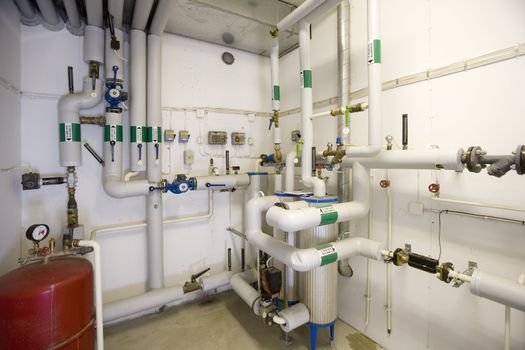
(74, 24)
(274, 63)
(51, 19)
(278, 183)
(368, 294)
(98, 291)
(162, 15)
(306, 112)
(29, 14)
(94, 12)
(141, 14)
(290, 171)
(112, 58)
(116, 9)
(389, 266)
(137, 91)
(507, 328)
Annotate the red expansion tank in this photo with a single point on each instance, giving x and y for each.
(48, 306)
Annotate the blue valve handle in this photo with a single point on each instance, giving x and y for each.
(112, 143)
(140, 150)
(115, 69)
(156, 151)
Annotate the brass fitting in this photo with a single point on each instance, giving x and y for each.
(400, 257)
(278, 156)
(336, 111)
(100, 120)
(274, 32)
(275, 118)
(337, 154)
(52, 244)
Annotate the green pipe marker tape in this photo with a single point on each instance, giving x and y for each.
(277, 92)
(329, 215)
(137, 134)
(307, 78)
(374, 51)
(69, 132)
(112, 132)
(328, 254)
(151, 136)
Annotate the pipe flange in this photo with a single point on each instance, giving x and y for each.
(519, 160)
(444, 272)
(472, 159)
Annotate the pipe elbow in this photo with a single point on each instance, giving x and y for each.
(70, 105)
(116, 188)
(304, 260)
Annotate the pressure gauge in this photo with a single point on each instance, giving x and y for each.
(37, 232)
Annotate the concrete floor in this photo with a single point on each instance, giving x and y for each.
(224, 322)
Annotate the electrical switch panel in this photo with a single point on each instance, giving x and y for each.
(238, 138)
(188, 157)
(184, 136)
(169, 135)
(296, 135)
(217, 137)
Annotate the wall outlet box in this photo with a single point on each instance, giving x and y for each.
(217, 137)
(169, 135)
(184, 136)
(188, 157)
(415, 208)
(238, 138)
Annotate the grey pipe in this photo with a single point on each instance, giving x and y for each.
(116, 9)
(162, 15)
(94, 13)
(74, 24)
(141, 14)
(50, 16)
(29, 14)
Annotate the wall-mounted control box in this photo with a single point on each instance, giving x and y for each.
(217, 137)
(169, 135)
(184, 136)
(238, 138)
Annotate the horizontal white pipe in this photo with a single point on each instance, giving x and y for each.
(98, 290)
(221, 182)
(29, 15)
(292, 317)
(116, 9)
(94, 12)
(141, 14)
(322, 114)
(161, 17)
(412, 159)
(147, 301)
(290, 171)
(49, 14)
(498, 289)
(477, 204)
(219, 280)
(241, 284)
(117, 188)
(299, 13)
(321, 10)
(74, 24)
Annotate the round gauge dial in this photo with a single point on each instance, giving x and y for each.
(37, 232)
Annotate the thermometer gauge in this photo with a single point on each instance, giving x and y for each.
(37, 232)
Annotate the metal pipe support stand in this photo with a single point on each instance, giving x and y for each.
(313, 333)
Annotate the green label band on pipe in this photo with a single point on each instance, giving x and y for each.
(276, 92)
(137, 133)
(374, 51)
(329, 215)
(112, 132)
(69, 132)
(328, 254)
(307, 78)
(154, 134)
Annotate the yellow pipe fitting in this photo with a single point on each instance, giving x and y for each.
(274, 32)
(278, 156)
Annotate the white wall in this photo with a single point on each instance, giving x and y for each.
(193, 75)
(479, 107)
(10, 154)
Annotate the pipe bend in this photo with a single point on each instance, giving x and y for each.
(70, 105)
(117, 188)
(293, 220)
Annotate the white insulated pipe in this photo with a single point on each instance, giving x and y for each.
(74, 24)
(278, 183)
(221, 182)
(94, 13)
(148, 301)
(498, 289)
(374, 86)
(290, 171)
(222, 279)
(141, 14)
(116, 188)
(319, 187)
(274, 64)
(162, 15)
(321, 10)
(69, 106)
(29, 14)
(412, 159)
(113, 58)
(137, 91)
(241, 284)
(98, 290)
(51, 19)
(116, 9)
(293, 317)
(298, 14)
(94, 38)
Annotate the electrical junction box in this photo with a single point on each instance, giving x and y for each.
(238, 138)
(184, 136)
(169, 135)
(217, 137)
(188, 157)
(296, 135)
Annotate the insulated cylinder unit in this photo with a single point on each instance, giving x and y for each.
(48, 306)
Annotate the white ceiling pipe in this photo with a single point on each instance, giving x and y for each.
(148, 301)
(137, 92)
(298, 14)
(318, 185)
(29, 14)
(94, 13)
(290, 171)
(69, 106)
(74, 24)
(97, 277)
(241, 284)
(222, 182)
(412, 159)
(321, 10)
(374, 86)
(498, 289)
(162, 15)
(274, 65)
(116, 9)
(51, 19)
(141, 14)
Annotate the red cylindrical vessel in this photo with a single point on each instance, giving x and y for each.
(48, 306)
